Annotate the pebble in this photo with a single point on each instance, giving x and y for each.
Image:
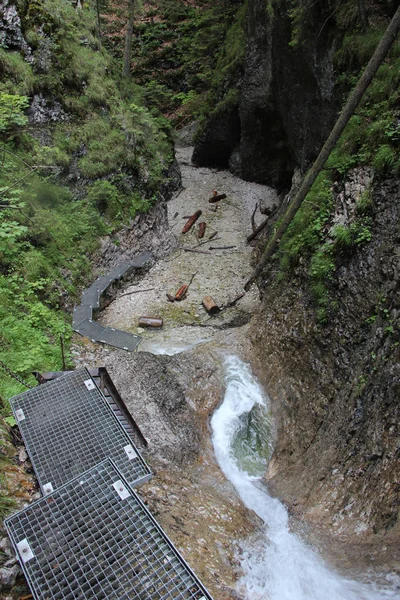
(22, 455)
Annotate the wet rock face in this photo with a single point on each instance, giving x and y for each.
(154, 395)
(287, 104)
(336, 388)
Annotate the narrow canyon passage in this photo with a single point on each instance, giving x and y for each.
(260, 558)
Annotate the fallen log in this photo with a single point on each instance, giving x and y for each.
(150, 322)
(257, 231)
(191, 221)
(202, 230)
(181, 293)
(210, 305)
(216, 198)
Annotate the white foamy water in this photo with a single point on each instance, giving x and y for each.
(281, 567)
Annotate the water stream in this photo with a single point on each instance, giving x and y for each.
(280, 566)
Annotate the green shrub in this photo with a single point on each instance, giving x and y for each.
(12, 115)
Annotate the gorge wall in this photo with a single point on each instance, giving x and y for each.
(335, 389)
(334, 384)
(287, 101)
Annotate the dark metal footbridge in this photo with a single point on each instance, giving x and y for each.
(82, 319)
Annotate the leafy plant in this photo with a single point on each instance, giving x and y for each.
(12, 115)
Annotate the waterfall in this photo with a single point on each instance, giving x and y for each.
(279, 566)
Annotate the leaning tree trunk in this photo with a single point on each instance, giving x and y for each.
(352, 103)
(128, 38)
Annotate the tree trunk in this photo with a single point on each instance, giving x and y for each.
(362, 11)
(128, 38)
(352, 103)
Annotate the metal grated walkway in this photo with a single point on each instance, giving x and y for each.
(94, 538)
(82, 319)
(68, 427)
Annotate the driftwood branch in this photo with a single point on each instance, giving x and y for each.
(194, 250)
(207, 242)
(257, 230)
(235, 300)
(253, 223)
(221, 247)
(136, 292)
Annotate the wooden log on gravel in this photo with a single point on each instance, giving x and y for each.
(191, 221)
(202, 230)
(210, 305)
(216, 198)
(150, 322)
(181, 293)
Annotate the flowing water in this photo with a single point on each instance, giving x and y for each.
(279, 566)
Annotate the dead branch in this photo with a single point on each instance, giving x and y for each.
(136, 292)
(221, 247)
(257, 231)
(194, 250)
(253, 223)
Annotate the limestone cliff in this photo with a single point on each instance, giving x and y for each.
(287, 102)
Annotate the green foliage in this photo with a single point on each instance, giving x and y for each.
(30, 332)
(11, 234)
(17, 75)
(12, 115)
(175, 55)
(296, 14)
(308, 228)
(372, 136)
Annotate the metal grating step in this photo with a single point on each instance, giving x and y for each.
(81, 313)
(91, 297)
(119, 339)
(94, 538)
(90, 329)
(68, 427)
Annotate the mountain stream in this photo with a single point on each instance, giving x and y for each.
(279, 566)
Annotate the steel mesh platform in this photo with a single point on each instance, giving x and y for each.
(107, 335)
(94, 538)
(68, 427)
(89, 329)
(119, 339)
(81, 313)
